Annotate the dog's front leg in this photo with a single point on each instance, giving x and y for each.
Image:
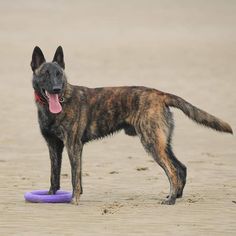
(55, 147)
(75, 155)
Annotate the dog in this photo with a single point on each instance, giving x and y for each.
(71, 116)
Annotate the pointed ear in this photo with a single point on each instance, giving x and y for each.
(37, 58)
(59, 57)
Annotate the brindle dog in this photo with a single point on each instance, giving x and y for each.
(71, 116)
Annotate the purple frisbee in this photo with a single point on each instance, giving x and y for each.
(42, 196)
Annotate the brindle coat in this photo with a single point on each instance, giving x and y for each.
(92, 113)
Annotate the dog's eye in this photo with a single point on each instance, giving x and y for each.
(58, 73)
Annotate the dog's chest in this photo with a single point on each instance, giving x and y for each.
(50, 124)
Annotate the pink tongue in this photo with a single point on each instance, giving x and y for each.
(54, 104)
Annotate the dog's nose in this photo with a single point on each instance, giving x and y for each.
(56, 89)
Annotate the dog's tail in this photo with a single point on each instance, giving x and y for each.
(196, 114)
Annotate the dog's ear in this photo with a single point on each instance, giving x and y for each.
(59, 57)
(37, 58)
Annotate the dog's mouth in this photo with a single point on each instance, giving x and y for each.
(53, 101)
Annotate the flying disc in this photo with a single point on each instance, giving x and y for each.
(42, 196)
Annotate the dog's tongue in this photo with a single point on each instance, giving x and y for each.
(54, 104)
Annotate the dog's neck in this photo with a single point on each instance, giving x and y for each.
(67, 93)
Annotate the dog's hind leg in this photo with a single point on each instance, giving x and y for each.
(182, 172)
(154, 134)
(161, 156)
(181, 168)
(55, 147)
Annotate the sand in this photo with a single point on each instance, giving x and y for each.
(183, 47)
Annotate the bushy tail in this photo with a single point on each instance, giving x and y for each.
(197, 115)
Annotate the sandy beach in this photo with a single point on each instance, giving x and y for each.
(182, 47)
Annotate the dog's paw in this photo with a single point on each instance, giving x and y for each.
(53, 190)
(75, 200)
(179, 195)
(168, 201)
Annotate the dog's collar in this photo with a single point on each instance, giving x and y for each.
(39, 99)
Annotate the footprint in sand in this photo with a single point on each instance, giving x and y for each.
(113, 172)
(141, 168)
(112, 208)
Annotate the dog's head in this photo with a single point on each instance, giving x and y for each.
(49, 79)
